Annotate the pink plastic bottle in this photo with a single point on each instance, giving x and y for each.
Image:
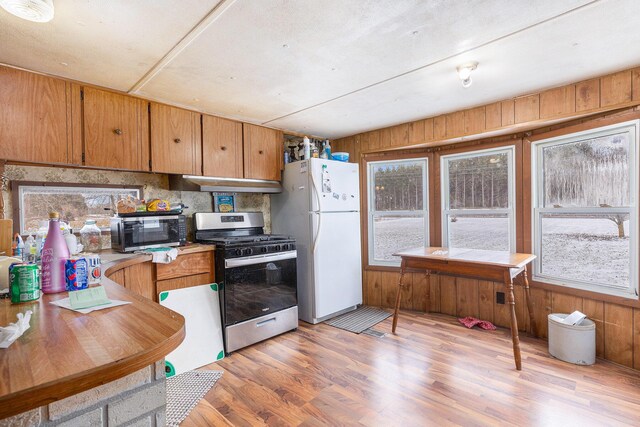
(54, 255)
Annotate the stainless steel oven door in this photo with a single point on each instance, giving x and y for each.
(259, 285)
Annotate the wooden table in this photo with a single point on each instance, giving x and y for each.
(499, 266)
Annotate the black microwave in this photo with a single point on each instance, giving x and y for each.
(136, 233)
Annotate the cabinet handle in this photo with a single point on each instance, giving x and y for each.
(177, 141)
(260, 152)
(223, 148)
(117, 131)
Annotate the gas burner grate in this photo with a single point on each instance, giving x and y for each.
(245, 239)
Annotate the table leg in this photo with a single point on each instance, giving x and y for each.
(527, 295)
(398, 295)
(511, 301)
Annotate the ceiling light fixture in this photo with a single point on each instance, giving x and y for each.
(464, 72)
(31, 10)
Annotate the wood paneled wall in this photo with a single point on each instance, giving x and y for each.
(611, 92)
(617, 325)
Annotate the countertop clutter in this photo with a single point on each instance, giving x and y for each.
(65, 353)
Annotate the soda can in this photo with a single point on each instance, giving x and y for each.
(24, 282)
(76, 272)
(95, 269)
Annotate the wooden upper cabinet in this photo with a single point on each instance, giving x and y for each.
(221, 147)
(175, 140)
(35, 117)
(262, 152)
(116, 130)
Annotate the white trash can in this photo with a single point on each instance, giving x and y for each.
(572, 343)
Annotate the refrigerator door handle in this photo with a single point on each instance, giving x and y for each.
(317, 234)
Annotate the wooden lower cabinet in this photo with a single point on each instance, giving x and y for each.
(184, 282)
(186, 265)
(148, 279)
(139, 279)
(118, 277)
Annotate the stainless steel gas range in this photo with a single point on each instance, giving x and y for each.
(256, 273)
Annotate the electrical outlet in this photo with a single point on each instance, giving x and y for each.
(499, 297)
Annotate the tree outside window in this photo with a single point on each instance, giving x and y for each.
(478, 200)
(584, 209)
(397, 208)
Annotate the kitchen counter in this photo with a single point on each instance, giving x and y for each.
(65, 352)
(113, 261)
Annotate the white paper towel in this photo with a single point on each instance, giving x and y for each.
(9, 334)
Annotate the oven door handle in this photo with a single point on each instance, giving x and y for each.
(259, 259)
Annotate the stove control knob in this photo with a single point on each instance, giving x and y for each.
(277, 248)
(263, 249)
(285, 247)
(292, 246)
(238, 252)
(247, 251)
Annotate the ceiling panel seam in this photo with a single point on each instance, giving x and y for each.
(196, 31)
(513, 33)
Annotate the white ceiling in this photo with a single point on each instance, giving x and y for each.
(326, 67)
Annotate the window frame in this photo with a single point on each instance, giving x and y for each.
(510, 210)
(16, 199)
(372, 212)
(538, 210)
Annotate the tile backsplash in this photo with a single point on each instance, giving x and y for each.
(154, 186)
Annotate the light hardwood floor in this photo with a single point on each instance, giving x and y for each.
(433, 372)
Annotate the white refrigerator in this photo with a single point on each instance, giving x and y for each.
(320, 207)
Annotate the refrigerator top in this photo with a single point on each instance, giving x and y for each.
(318, 185)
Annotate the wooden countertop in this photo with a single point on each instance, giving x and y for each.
(128, 260)
(65, 352)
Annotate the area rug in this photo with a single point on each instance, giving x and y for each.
(359, 320)
(184, 391)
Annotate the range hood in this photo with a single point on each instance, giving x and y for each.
(212, 184)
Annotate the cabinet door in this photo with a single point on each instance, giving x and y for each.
(175, 140)
(115, 130)
(262, 152)
(221, 147)
(186, 265)
(35, 117)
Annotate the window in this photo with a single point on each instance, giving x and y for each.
(584, 209)
(75, 203)
(397, 208)
(478, 200)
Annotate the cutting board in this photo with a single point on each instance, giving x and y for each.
(6, 236)
(203, 325)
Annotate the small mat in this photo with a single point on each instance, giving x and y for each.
(185, 390)
(359, 320)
